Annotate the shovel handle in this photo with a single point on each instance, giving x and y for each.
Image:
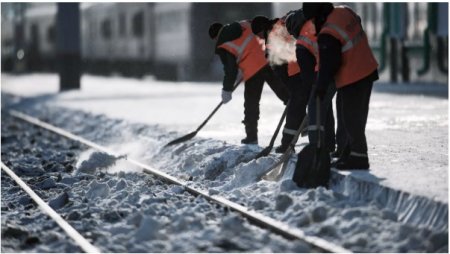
(209, 117)
(217, 107)
(192, 134)
(318, 120)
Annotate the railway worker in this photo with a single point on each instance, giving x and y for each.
(346, 59)
(238, 49)
(299, 80)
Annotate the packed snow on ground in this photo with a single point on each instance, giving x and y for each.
(125, 211)
(407, 132)
(137, 119)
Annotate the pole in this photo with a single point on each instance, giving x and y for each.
(68, 45)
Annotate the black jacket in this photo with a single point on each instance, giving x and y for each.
(329, 58)
(307, 63)
(229, 32)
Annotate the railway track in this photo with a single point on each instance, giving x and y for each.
(84, 244)
(253, 217)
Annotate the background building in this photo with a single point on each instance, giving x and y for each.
(170, 40)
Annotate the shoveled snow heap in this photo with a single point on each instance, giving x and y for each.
(361, 225)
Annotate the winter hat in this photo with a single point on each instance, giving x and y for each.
(260, 23)
(295, 21)
(214, 29)
(314, 9)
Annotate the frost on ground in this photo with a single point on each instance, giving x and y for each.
(111, 189)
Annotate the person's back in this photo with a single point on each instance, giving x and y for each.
(245, 48)
(347, 60)
(238, 49)
(358, 60)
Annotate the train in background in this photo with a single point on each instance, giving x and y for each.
(167, 40)
(170, 40)
(183, 49)
(117, 37)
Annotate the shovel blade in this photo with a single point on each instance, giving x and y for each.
(274, 174)
(277, 170)
(182, 139)
(313, 168)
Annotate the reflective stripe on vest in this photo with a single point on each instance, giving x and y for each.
(349, 43)
(240, 49)
(247, 51)
(307, 38)
(308, 41)
(358, 60)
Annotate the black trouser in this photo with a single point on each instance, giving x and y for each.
(326, 123)
(341, 139)
(354, 109)
(252, 95)
(296, 110)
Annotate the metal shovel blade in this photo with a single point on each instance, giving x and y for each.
(182, 139)
(277, 170)
(274, 174)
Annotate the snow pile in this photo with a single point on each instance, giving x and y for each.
(117, 212)
(228, 170)
(127, 201)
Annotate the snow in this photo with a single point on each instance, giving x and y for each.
(137, 117)
(407, 134)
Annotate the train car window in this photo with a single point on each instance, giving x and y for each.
(51, 34)
(106, 29)
(122, 25)
(138, 24)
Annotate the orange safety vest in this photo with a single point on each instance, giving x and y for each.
(308, 39)
(247, 50)
(357, 59)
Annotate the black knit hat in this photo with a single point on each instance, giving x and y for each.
(295, 21)
(314, 9)
(260, 23)
(214, 29)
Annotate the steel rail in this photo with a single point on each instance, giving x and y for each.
(84, 244)
(260, 219)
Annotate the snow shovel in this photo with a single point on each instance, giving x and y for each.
(313, 163)
(275, 172)
(267, 150)
(192, 134)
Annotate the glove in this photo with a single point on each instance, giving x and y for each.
(320, 92)
(226, 96)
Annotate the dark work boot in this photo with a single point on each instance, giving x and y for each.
(249, 141)
(341, 156)
(354, 162)
(285, 142)
(252, 134)
(335, 154)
